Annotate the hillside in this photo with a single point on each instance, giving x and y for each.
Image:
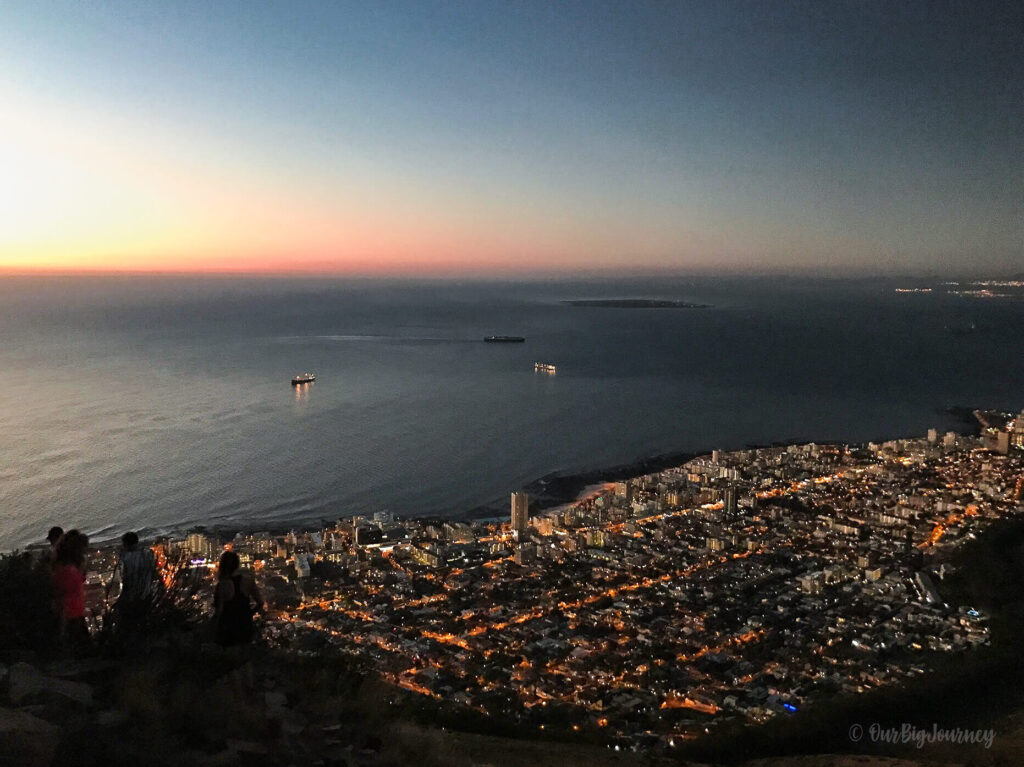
(189, 703)
(171, 697)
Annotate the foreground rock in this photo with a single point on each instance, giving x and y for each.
(28, 685)
(26, 740)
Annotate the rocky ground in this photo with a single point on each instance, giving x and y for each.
(220, 709)
(202, 706)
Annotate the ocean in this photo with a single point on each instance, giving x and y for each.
(160, 403)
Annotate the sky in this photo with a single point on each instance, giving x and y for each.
(514, 137)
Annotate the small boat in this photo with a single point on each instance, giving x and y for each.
(303, 378)
(503, 339)
(544, 367)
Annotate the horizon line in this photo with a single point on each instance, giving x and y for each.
(512, 274)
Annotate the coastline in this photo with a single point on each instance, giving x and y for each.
(557, 488)
(560, 487)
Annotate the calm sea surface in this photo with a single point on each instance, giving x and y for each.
(158, 404)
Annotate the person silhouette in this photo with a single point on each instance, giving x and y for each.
(53, 538)
(136, 571)
(235, 600)
(69, 589)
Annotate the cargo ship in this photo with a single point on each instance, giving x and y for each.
(504, 339)
(303, 378)
(544, 367)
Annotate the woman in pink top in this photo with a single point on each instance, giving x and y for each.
(69, 587)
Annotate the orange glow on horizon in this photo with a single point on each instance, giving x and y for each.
(86, 192)
(369, 266)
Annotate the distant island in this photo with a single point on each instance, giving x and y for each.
(635, 303)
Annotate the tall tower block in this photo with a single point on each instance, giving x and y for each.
(520, 511)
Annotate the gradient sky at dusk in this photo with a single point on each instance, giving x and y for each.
(422, 137)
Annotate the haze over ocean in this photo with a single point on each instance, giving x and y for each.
(160, 403)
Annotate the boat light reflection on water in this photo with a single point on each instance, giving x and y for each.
(302, 384)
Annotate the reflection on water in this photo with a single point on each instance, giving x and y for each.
(164, 407)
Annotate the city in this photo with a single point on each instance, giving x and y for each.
(511, 383)
(740, 584)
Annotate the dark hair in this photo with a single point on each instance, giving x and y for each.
(130, 540)
(229, 562)
(71, 549)
(54, 535)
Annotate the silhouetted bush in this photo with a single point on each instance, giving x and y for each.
(172, 608)
(26, 606)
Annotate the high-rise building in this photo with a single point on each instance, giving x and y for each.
(198, 545)
(365, 535)
(812, 583)
(302, 569)
(731, 499)
(1002, 445)
(1017, 438)
(524, 555)
(520, 511)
